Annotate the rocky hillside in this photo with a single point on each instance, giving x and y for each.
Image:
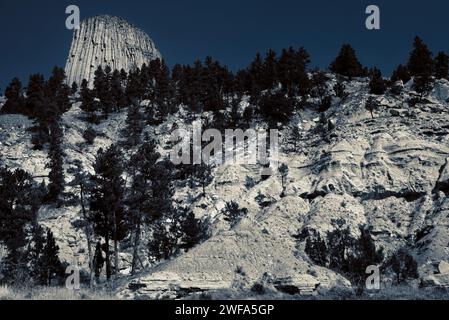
(389, 172)
(107, 41)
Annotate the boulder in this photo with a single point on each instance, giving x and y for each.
(436, 280)
(302, 284)
(443, 267)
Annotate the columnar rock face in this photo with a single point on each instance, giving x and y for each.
(106, 40)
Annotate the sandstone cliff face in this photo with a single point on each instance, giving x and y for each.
(389, 173)
(105, 40)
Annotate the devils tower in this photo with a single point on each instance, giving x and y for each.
(105, 40)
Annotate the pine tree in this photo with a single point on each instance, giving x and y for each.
(162, 190)
(15, 100)
(102, 85)
(340, 241)
(269, 73)
(107, 212)
(146, 85)
(276, 107)
(401, 73)
(35, 101)
(234, 114)
(423, 85)
(316, 248)
(134, 127)
(371, 105)
(56, 175)
(98, 260)
(441, 66)
(233, 213)
(256, 72)
(202, 176)
(123, 77)
(242, 82)
(15, 269)
(20, 200)
(248, 114)
(363, 254)
(133, 88)
(420, 66)
(283, 170)
(347, 63)
(164, 90)
(46, 102)
(144, 201)
(292, 72)
(377, 84)
(50, 266)
(34, 252)
(74, 88)
(88, 103)
(295, 136)
(420, 61)
(58, 92)
(404, 266)
(319, 86)
(117, 91)
(193, 230)
(160, 213)
(301, 78)
(79, 191)
(210, 85)
(162, 244)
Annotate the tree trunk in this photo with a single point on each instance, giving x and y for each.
(108, 259)
(136, 247)
(115, 246)
(88, 237)
(116, 258)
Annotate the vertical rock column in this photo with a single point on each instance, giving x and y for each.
(105, 40)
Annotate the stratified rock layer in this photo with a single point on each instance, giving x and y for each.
(105, 40)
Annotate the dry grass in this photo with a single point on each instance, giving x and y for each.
(407, 293)
(53, 293)
(389, 293)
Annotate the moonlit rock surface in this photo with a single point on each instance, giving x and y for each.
(106, 40)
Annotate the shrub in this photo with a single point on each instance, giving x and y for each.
(239, 270)
(89, 135)
(325, 104)
(258, 288)
(371, 105)
(316, 248)
(340, 90)
(250, 183)
(233, 214)
(403, 265)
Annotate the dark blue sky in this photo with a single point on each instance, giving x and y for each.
(33, 37)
